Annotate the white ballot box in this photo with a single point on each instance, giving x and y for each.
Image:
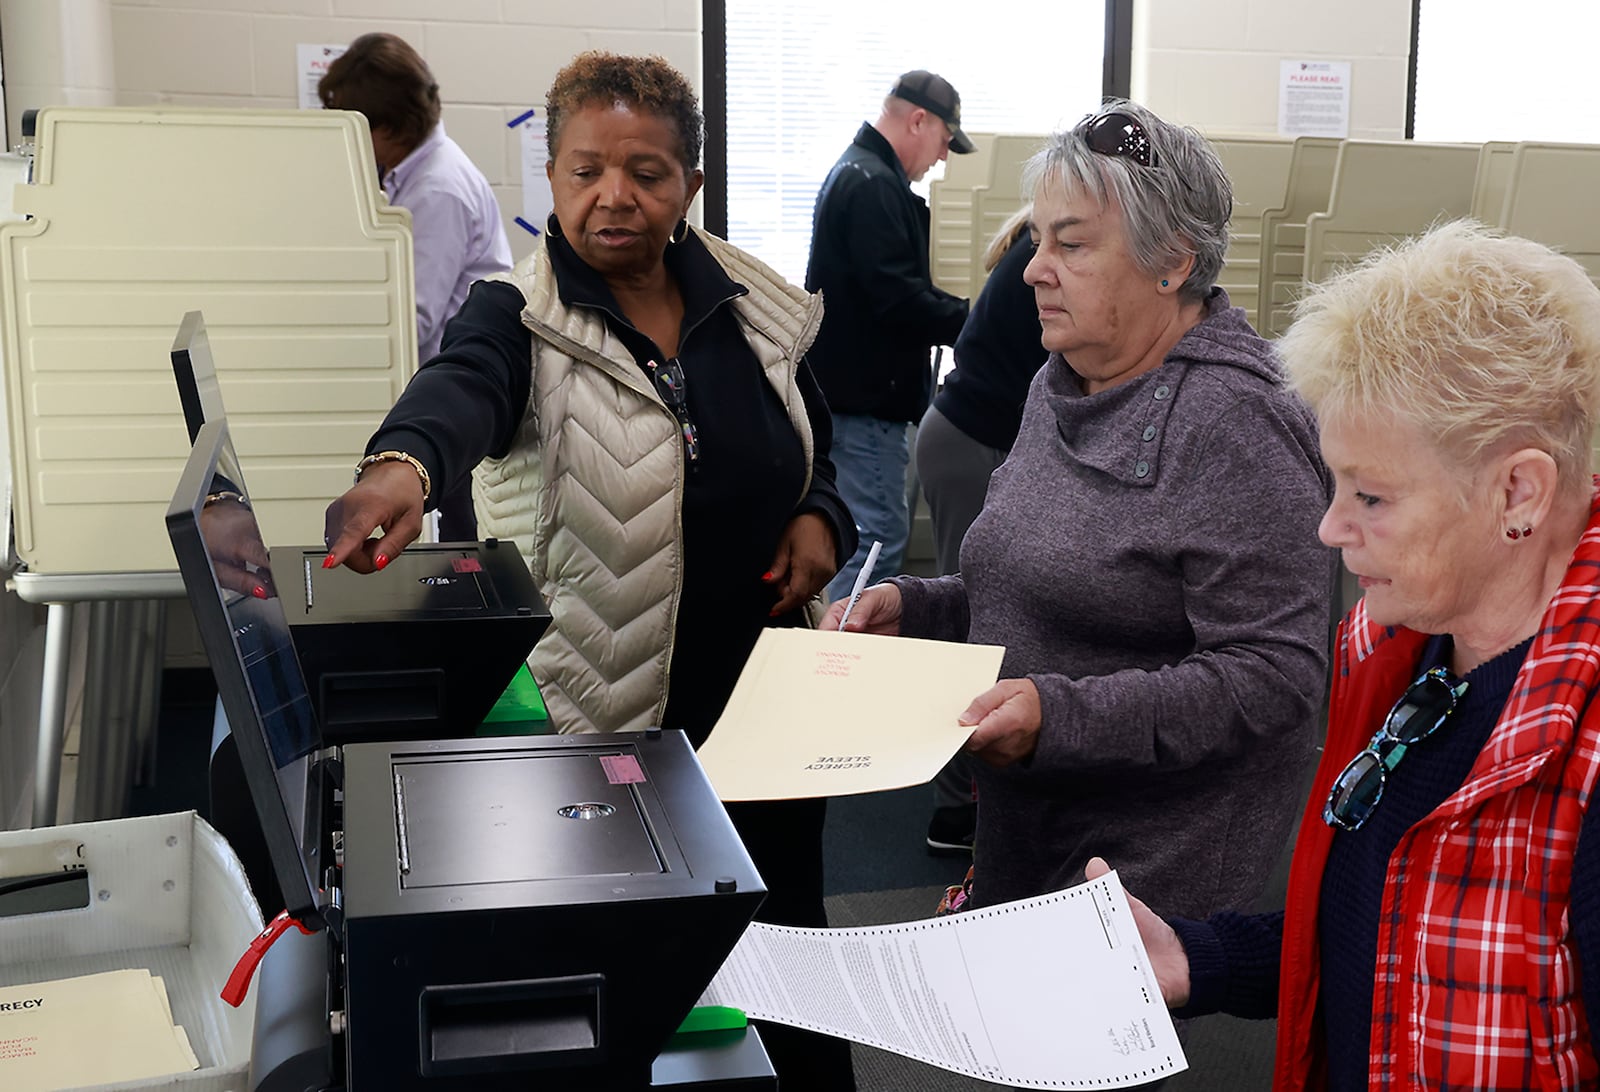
(164, 893)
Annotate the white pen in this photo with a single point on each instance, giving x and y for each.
(861, 582)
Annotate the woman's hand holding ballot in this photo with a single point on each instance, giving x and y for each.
(1161, 943)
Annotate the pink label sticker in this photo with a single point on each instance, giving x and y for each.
(622, 769)
(467, 565)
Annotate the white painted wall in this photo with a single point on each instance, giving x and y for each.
(1215, 65)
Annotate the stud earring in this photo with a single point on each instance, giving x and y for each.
(1163, 282)
(1513, 534)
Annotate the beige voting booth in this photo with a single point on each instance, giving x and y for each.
(272, 224)
(1384, 191)
(1258, 169)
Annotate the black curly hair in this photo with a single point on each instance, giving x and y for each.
(649, 83)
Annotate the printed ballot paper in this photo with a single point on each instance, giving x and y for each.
(96, 1029)
(824, 713)
(1050, 992)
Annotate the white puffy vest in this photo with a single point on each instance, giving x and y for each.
(592, 490)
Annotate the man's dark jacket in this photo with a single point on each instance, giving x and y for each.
(869, 259)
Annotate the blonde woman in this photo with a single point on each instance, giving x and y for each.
(1443, 920)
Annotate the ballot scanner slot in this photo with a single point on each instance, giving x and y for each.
(521, 818)
(490, 1027)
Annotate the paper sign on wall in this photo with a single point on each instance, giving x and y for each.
(1314, 98)
(311, 63)
(537, 203)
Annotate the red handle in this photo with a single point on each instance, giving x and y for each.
(243, 971)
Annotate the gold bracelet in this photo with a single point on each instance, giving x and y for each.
(399, 457)
(226, 494)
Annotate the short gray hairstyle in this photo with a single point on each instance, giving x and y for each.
(1176, 208)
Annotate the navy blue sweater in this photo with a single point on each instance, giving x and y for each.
(1233, 958)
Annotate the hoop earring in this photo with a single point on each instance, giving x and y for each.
(552, 227)
(679, 233)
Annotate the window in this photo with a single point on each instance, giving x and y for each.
(1484, 73)
(800, 79)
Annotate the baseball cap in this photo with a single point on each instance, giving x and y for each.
(934, 94)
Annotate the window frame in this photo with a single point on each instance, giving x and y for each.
(1115, 83)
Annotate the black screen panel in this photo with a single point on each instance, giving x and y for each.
(228, 577)
(196, 373)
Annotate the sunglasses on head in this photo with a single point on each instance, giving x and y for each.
(1425, 705)
(1118, 134)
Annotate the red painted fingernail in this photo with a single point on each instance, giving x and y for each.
(380, 561)
(767, 575)
(259, 592)
(328, 562)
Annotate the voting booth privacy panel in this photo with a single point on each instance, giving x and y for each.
(271, 223)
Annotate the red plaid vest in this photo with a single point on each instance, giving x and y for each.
(1476, 984)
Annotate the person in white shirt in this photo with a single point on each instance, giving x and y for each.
(457, 235)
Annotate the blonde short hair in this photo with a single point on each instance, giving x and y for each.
(1483, 342)
(1015, 227)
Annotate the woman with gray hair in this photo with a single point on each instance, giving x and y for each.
(1442, 928)
(1146, 554)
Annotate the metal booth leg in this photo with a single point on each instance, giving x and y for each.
(52, 713)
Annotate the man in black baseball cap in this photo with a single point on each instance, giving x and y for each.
(934, 94)
(881, 311)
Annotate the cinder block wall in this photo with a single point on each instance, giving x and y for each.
(1215, 66)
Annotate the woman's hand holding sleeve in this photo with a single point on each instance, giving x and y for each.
(1006, 720)
(877, 611)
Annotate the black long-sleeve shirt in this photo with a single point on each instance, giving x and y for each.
(869, 259)
(738, 496)
(997, 355)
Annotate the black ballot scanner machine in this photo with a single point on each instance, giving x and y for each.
(483, 913)
(419, 651)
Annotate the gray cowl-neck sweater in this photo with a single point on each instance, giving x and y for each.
(1148, 556)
